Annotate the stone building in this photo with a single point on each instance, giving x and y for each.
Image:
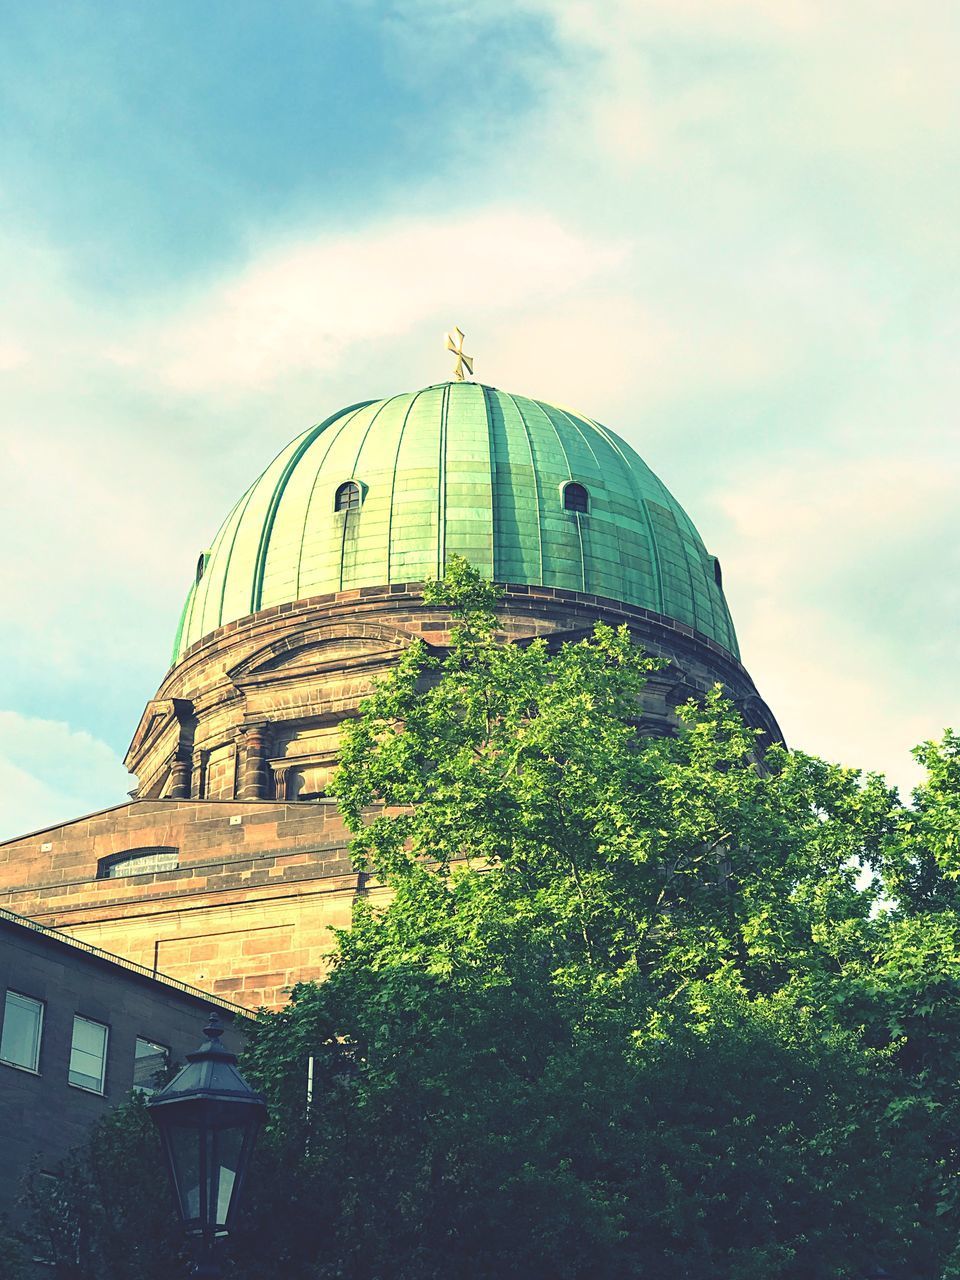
(228, 865)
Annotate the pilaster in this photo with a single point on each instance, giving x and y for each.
(253, 763)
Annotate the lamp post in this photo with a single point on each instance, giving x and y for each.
(208, 1118)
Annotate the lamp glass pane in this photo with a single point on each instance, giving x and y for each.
(185, 1155)
(226, 1146)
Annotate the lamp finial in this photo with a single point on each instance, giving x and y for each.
(214, 1028)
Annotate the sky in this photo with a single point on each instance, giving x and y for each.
(728, 229)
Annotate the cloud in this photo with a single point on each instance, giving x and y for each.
(845, 629)
(800, 524)
(12, 355)
(129, 426)
(725, 227)
(831, 697)
(302, 305)
(857, 76)
(50, 772)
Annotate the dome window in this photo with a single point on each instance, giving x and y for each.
(717, 572)
(348, 497)
(575, 497)
(202, 563)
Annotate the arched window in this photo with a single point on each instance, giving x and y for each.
(575, 497)
(144, 861)
(347, 497)
(717, 573)
(202, 563)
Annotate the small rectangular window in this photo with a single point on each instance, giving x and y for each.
(22, 1029)
(148, 1065)
(88, 1054)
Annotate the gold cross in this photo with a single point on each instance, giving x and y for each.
(456, 346)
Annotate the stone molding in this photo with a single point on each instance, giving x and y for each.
(299, 669)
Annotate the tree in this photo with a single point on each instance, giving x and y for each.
(14, 1259)
(634, 1009)
(107, 1212)
(613, 1020)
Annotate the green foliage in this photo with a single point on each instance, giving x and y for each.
(14, 1257)
(108, 1213)
(924, 867)
(635, 1008)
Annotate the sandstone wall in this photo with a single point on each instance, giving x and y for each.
(240, 861)
(246, 913)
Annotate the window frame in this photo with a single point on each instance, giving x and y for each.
(38, 1048)
(357, 488)
(581, 488)
(148, 1090)
(110, 867)
(101, 1092)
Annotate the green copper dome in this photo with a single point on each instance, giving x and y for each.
(457, 468)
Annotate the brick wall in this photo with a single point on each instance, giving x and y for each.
(248, 872)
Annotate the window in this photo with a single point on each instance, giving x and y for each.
(148, 1065)
(575, 498)
(347, 497)
(22, 1028)
(138, 862)
(717, 572)
(202, 563)
(88, 1054)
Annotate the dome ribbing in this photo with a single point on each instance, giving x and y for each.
(457, 468)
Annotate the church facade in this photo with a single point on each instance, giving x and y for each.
(229, 865)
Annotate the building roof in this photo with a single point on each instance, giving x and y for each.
(13, 923)
(457, 468)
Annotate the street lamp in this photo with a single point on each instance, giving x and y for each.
(208, 1117)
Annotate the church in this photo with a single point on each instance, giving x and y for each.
(228, 865)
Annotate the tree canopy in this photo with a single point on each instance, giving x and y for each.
(668, 1007)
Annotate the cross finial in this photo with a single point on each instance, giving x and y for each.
(455, 344)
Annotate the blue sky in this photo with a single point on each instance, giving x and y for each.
(727, 228)
(157, 141)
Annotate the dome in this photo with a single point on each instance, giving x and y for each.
(386, 491)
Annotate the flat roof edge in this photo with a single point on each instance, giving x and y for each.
(59, 938)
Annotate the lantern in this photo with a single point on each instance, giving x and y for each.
(208, 1118)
